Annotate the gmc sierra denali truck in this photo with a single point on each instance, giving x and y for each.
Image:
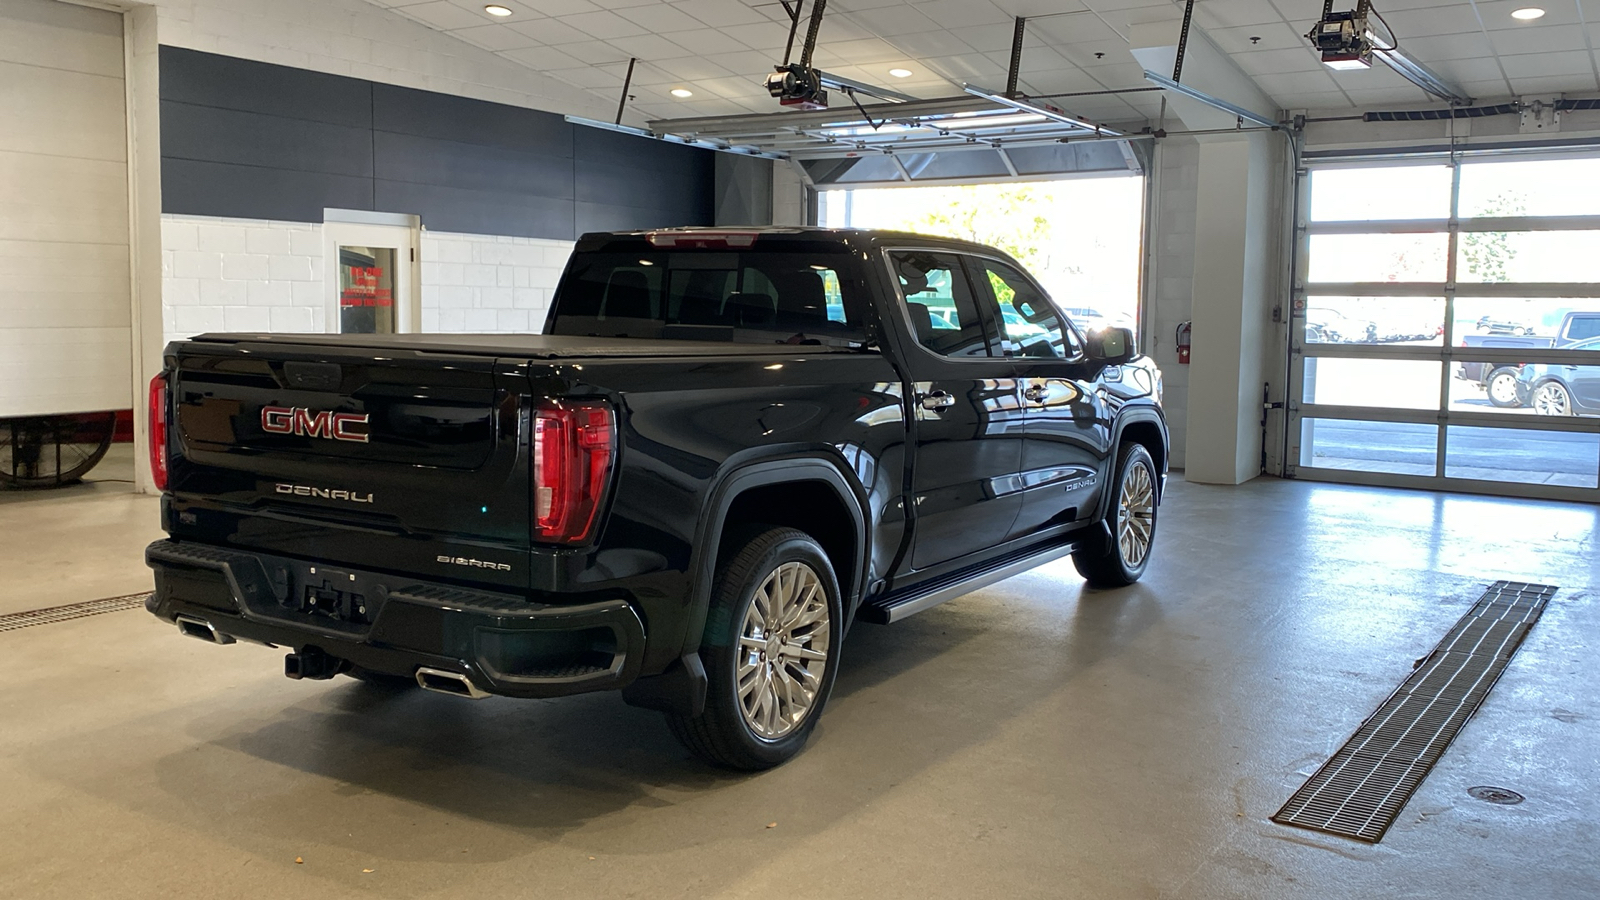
(725, 447)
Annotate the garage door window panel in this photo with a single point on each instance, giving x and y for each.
(1530, 187)
(1393, 258)
(1562, 458)
(1373, 320)
(1367, 194)
(1380, 383)
(1354, 445)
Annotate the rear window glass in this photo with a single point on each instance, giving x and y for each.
(711, 295)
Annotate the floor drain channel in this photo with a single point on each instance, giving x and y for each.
(14, 621)
(1361, 790)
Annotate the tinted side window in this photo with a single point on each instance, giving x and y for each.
(1031, 323)
(1583, 328)
(763, 296)
(944, 313)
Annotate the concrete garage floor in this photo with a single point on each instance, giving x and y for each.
(1030, 740)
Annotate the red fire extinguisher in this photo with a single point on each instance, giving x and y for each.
(1183, 342)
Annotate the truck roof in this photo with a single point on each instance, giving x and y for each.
(847, 238)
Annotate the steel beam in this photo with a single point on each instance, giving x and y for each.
(1207, 99)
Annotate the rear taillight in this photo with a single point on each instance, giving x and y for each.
(573, 449)
(158, 431)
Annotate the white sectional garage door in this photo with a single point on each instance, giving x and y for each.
(64, 282)
(1447, 323)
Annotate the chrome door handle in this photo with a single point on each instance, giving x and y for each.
(1036, 393)
(937, 400)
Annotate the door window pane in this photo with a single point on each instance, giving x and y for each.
(1519, 322)
(939, 301)
(1346, 258)
(1373, 320)
(1383, 383)
(1389, 192)
(1393, 447)
(1029, 321)
(1546, 187)
(1564, 458)
(1493, 257)
(366, 290)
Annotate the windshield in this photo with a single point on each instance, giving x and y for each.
(711, 295)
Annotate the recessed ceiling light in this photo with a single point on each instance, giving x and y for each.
(682, 93)
(494, 10)
(900, 73)
(1527, 13)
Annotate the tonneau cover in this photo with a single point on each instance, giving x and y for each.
(529, 346)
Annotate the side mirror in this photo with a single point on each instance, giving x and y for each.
(1111, 346)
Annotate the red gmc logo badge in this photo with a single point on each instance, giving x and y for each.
(304, 422)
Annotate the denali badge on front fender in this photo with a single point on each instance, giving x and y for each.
(331, 425)
(300, 490)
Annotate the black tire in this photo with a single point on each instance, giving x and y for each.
(1106, 563)
(1505, 379)
(381, 679)
(723, 735)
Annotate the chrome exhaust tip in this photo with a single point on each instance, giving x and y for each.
(200, 628)
(454, 683)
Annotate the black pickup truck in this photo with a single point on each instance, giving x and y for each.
(726, 447)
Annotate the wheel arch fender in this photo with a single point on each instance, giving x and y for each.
(751, 471)
(1144, 419)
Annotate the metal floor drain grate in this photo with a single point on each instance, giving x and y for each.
(14, 621)
(1361, 790)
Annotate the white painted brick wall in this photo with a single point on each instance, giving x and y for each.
(365, 40)
(240, 275)
(254, 275)
(480, 283)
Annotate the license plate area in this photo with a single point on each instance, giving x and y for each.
(334, 594)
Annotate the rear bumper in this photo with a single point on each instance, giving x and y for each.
(501, 643)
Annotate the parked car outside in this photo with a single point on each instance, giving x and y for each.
(1563, 389)
(1329, 326)
(1490, 325)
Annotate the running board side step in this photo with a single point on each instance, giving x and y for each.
(896, 606)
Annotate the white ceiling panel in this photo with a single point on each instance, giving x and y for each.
(596, 53)
(605, 25)
(544, 59)
(493, 37)
(548, 31)
(1546, 39)
(1542, 65)
(722, 49)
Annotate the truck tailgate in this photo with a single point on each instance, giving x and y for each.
(403, 461)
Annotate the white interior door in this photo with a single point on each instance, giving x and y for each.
(371, 278)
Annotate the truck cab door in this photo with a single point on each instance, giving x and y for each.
(1067, 424)
(968, 411)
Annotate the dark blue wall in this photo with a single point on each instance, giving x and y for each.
(259, 141)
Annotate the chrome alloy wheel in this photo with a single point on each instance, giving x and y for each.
(1550, 399)
(783, 646)
(1136, 515)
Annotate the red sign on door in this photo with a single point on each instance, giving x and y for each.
(363, 287)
